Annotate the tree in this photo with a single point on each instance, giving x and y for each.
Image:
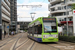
(73, 6)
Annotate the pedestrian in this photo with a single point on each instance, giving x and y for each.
(4, 34)
(12, 33)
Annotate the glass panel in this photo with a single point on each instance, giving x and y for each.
(50, 27)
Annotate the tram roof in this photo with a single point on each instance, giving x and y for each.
(38, 19)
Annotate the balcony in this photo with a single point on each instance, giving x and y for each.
(5, 5)
(63, 16)
(58, 11)
(7, 2)
(70, 2)
(54, 1)
(5, 11)
(57, 5)
(6, 17)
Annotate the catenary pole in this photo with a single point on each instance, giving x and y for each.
(0, 21)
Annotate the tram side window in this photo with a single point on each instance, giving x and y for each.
(54, 29)
(30, 30)
(35, 29)
(39, 29)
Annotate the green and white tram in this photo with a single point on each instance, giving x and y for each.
(43, 29)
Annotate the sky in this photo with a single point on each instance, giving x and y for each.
(23, 13)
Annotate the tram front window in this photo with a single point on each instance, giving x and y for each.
(50, 27)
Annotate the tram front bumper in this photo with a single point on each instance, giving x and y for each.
(49, 39)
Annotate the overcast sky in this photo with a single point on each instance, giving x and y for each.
(24, 12)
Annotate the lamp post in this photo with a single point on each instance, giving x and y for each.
(0, 21)
(32, 16)
(32, 20)
(66, 15)
(67, 18)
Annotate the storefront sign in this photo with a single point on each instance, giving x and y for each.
(74, 21)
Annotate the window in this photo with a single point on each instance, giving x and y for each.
(64, 13)
(50, 27)
(35, 29)
(59, 8)
(69, 7)
(64, 7)
(39, 29)
(64, 19)
(53, 9)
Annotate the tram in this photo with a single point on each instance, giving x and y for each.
(43, 29)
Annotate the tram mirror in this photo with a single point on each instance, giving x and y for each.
(38, 25)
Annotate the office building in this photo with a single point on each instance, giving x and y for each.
(13, 8)
(5, 14)
(61, 9)
(22, 25)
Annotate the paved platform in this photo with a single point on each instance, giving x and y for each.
(22, 42)
(7, 36)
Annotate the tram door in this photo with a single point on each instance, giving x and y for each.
(39, 29)
(33, 32)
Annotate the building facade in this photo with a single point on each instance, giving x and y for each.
(13, 8)
(22, 25)
(61, 9)
(5, 14)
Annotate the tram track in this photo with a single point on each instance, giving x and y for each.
(16, 42)
(19, 46)
(15, 45)
(10, 42)
(22, 43)
(32, 46)
(7, 41)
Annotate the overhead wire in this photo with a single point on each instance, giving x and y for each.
(33, 7)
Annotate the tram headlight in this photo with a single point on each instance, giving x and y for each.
(55, 36)
(44, 36)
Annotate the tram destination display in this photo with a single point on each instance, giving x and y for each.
(49, 19)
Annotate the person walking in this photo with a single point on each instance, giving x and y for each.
(12, 33)
(4, 34)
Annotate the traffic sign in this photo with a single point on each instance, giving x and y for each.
(7, 26)
(73, 11)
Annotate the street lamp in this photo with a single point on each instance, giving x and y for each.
(67, 16)
(32, 16)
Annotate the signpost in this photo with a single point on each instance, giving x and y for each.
(74, 22)
(8, 31)
(7, 26)
(0, 22)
